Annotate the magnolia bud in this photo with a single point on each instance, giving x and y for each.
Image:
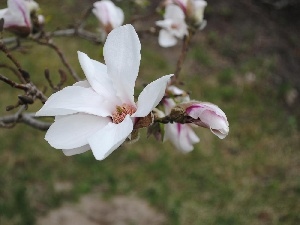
(195, 12)
(208, 115)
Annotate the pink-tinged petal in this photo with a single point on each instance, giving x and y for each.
(73, 131)
(75, 151)
(122, 57)
(211, 116)
(166, 39)
(181, 136)
(17, 14)
(215, 121)
(182, 4)
(109, 138)
(196, 109)
(74, 99)
(151, 96)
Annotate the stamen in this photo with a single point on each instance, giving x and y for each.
(122, 111)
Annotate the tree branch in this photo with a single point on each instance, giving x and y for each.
(50, 44)
(26, 118)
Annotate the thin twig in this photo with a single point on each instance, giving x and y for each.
(84, 17)
(184, 50)
(13, 60)
(76, 32)
(29, 88)
(13, 84)
(50, 44)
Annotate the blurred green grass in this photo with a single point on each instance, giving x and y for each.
(251, 177)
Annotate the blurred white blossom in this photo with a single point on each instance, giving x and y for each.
(173, 26)
(109, 15)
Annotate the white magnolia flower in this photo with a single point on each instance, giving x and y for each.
(99, 113)
(109, 15)
(173, 26)
(181, 136)
(16, 17)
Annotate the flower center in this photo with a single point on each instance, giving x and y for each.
(174, 26)
(121, 112)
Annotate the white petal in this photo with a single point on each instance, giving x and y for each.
(122, 57)
(73, 131)
(96, 74)
(118, 17)
(165, 39)
(174, 12)
(151, 96)
(167, 23)
(180, 30)
(2, 12)
(83, 83)
(75, 151)
(220, 133)
(106, 140)
(74, 99)
(101, 11)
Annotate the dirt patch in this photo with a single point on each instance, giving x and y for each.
(92, 210)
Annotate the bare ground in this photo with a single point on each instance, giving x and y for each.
(92, 210)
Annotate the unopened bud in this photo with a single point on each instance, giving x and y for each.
(25, 75)
(207, 115)
(10, 107)
(26, 99)
(178, 114)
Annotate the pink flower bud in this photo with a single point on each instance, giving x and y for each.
(16, 17)
(208, 115)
